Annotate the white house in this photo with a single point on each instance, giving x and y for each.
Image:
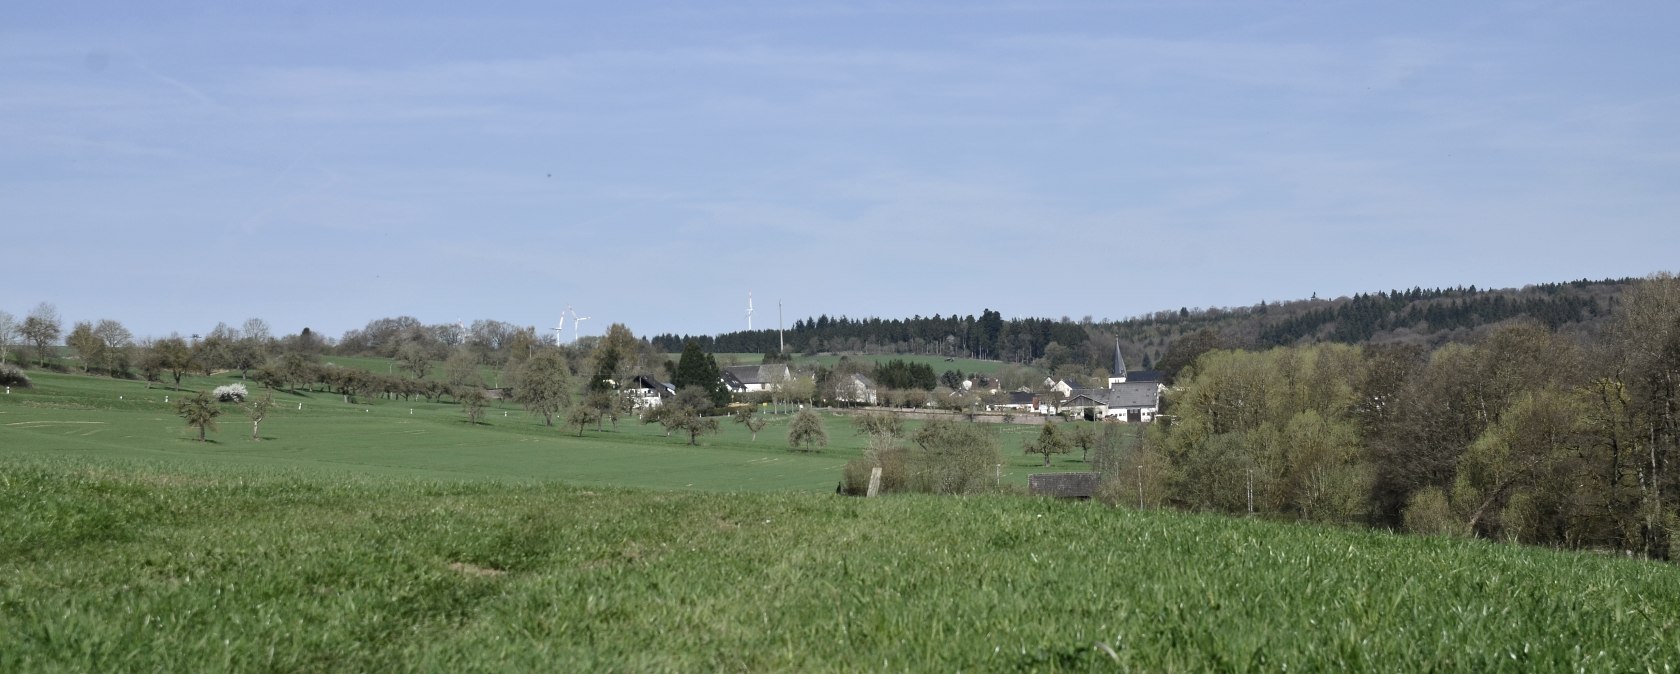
(1063, 387)
(645, 392)
(857, 389)
(752, 378)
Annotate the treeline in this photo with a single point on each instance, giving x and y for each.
(1427, 317)
(1525, 433)
(1364, 317)
(987, 336)
(294, 372)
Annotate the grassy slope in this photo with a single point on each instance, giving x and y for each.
(390, 366)
(109, 565)
(938, 363)
(97, 417)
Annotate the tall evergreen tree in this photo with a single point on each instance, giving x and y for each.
(698, 369)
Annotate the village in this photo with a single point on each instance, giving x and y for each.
(1128, 396)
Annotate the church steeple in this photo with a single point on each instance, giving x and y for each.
(1118, 376)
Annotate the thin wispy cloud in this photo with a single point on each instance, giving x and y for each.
(862, 158)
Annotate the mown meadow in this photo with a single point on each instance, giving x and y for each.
(363, 536)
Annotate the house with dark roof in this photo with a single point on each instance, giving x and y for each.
(1130, 401)
(1014, 400)
(1134, 401)
(751, 378)
(645, 392)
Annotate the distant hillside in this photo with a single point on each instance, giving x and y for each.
(1427, 316)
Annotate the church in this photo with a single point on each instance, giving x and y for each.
(1130, 396)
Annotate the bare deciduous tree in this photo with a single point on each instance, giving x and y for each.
(42, 329)
(8, 333)
(257, 411)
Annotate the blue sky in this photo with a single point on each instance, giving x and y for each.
(171, 165)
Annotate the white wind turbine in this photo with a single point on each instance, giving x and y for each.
(749, 311)
(577, 324)
(558, 329)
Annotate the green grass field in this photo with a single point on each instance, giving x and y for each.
(938, 363)
(391, 367)
(147, 565)
(360, 537)
(105, 418)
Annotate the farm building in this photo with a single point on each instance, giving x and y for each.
(1015, 400)
(1131, 401)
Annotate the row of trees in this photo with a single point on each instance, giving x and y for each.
(986, 336)
(1427, 317)
(40, 330)
(1065, 347)
(1366, 315)
(1524, 433)
(543, 377)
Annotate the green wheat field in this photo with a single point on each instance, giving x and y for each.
(369, 537)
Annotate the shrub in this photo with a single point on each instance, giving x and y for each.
(854, 477)
(953, 458)
(1116, 492)
(1429, 513)
(230, 393)
(12, 375)
(894, 472)
(806, 431)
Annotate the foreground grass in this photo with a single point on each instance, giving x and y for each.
(128, 566)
